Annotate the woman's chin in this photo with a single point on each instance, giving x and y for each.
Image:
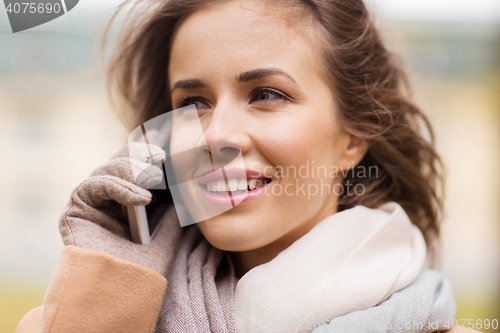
(230, 235)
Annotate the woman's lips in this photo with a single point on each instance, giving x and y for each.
(229, 199)
(233, 173)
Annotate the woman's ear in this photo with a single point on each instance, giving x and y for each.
(352, 151)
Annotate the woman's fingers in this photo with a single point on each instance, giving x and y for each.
(134, 171)
(85, 212)
(151, 154)
(137, 163)
(146, 176)
(89, 200)
(95, 190)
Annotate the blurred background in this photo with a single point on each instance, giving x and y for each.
(57, 126)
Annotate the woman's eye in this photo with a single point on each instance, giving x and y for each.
(198, 103)
(265, 95)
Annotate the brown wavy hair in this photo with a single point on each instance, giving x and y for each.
(369, 83)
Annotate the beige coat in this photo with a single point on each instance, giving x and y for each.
(95, 292)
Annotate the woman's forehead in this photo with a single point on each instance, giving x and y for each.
(238, 38)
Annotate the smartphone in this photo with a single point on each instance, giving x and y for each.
(144, 221)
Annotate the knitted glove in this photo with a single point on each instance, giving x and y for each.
(95, 218)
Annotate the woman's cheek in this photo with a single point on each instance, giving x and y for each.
(285, 140)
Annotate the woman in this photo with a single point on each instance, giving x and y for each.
(296, 85)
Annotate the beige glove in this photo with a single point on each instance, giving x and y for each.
(94, 218)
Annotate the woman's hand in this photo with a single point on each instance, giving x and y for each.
(94, 218)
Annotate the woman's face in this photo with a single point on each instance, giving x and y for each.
(257, 83)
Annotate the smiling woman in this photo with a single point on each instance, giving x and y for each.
(294, 85)
(246, 99)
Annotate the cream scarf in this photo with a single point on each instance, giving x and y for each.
(350, 261)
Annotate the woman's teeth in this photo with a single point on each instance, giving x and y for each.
(236, 184)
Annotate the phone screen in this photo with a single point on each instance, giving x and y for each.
(160, 202)
(157, 208)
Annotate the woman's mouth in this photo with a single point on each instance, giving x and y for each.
(236, 186)
(228, 190)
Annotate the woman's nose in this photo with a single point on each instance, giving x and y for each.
(226, 132)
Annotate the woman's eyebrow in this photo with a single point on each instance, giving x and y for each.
(188, 84)
(262, 72)
(243, 77)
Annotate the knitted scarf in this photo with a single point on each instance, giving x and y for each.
(351, 261)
